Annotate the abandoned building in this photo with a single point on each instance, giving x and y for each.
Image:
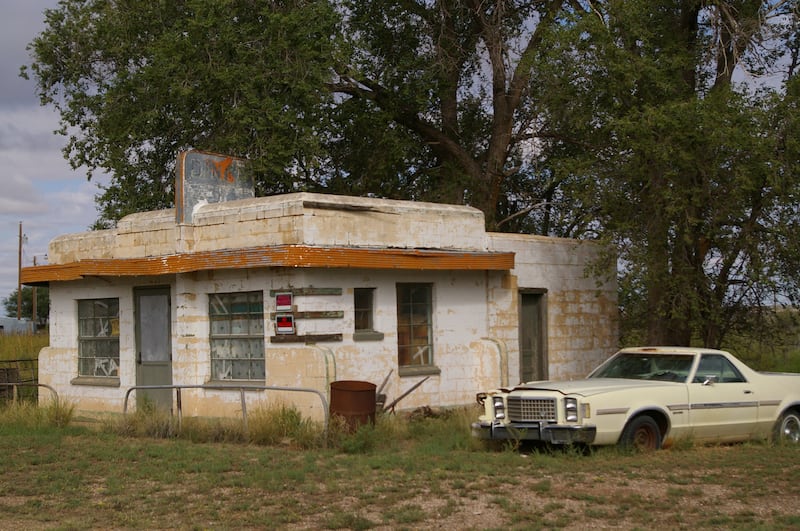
(228, 293)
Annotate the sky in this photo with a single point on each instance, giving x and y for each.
(39, 189)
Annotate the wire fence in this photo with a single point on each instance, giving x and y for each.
(25, 373)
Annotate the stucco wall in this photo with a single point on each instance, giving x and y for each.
(582, 316)
(475, 320)
(301, 218)
(466, 360)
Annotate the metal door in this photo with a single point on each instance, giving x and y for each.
(153, 346)
(532, 336)
(723, 404)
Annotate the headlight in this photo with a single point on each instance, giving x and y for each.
(499, 407)
(571, 409)
(481, 398)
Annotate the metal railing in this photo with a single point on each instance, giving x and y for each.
(15, 385)
(242, 390)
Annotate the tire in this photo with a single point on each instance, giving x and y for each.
(788, 427)
(642, 434)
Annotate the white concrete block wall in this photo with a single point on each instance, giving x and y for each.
(282, 220)
(475, 312)
(581, 316)
(467, 363)
(73, 247)
(58, 364)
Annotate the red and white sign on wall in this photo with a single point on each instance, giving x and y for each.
(283, 302)
(284, 323)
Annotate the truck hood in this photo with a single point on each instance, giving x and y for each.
(593, 386)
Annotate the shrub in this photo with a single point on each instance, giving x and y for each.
(147, 421)
(55, 414)
(277, 423)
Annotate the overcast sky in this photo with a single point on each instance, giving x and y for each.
(38, 187)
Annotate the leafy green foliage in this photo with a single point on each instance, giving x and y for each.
(689, 174)
(137, 81)
(619, 121)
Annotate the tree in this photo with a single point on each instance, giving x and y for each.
(440, 88)
(694, 177)
(42, 304)
(620, 121)
(135, 82)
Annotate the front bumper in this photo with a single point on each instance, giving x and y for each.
(534, 431)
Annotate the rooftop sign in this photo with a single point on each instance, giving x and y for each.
(204, 177)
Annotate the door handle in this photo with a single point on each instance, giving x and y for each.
(748, 392)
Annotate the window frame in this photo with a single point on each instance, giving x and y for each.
(365, 308)
(725, 367)
(408, 332)
(241, 332)
(101, 335)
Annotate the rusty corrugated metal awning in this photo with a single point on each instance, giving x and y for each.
(272, 256)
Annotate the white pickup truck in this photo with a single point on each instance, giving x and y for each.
(646, 397)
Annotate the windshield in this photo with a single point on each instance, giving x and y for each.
(643, 366)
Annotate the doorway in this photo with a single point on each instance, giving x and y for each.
(153, 346)
(532, 335)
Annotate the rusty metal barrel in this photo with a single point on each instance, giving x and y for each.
(354, 401)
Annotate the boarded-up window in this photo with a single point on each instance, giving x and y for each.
(414, 324)
(98, 337)
(237, 335)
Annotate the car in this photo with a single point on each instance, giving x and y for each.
(646, 398)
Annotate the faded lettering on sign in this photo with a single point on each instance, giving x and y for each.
(209, 178)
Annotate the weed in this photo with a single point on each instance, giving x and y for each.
(543, 487)
(147, 421)
(207, 430)
(407, 514)
(56, 414)
(278, 423)
(361, 441)
(59, 412)
(347, 520)
(679, 444)
(399, 473)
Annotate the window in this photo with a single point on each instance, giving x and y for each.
(719, 367)
(237, 335)
(363, 301)
(414, 325)
(98, 338)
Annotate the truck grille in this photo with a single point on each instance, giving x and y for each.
(523, 409)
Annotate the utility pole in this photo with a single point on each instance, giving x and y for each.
(34, 316)
(19, 275)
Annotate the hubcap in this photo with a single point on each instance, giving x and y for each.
(644, 439)
(791, 428)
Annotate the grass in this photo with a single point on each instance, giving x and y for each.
(402, 473)
(145, 471)
(19, 355)
(22, 346)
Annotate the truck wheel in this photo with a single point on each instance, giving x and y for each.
(642, 434)
(788, 427)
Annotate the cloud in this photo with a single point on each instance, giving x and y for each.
(38, 187)
(19, 25)
(29, 127)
